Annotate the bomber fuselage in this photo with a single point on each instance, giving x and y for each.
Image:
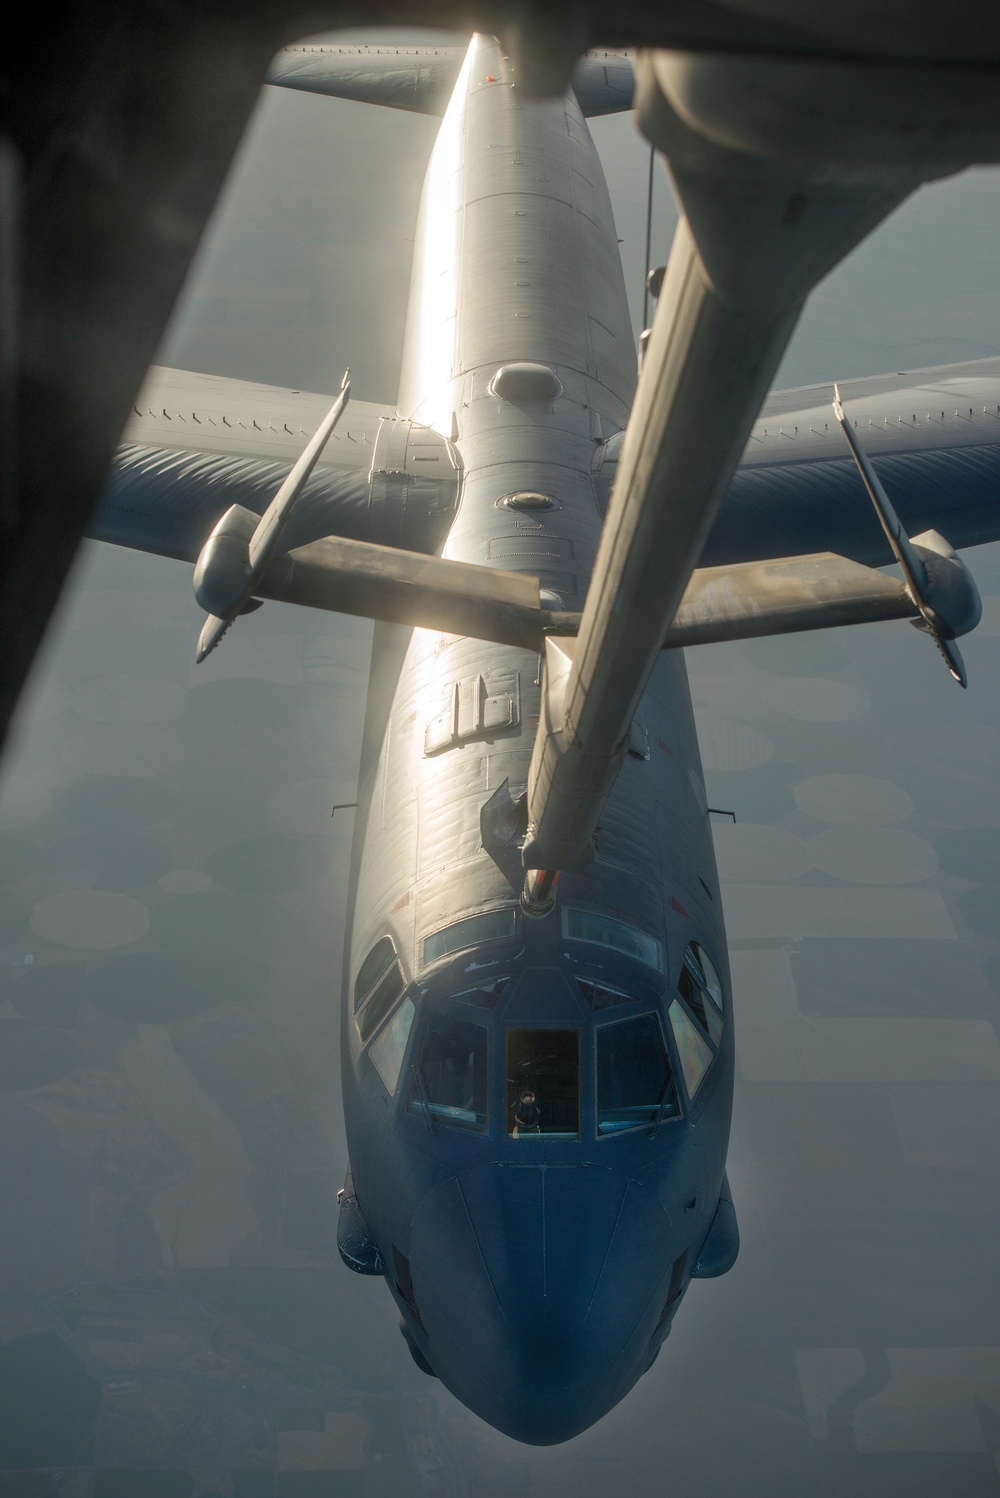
(537, 1110)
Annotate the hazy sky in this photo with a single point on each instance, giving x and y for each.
(174, 1320)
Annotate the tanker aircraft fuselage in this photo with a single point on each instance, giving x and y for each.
(537, 1110)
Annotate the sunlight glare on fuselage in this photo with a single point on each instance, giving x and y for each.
(429, 350)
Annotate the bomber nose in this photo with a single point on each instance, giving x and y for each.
(535, 1285)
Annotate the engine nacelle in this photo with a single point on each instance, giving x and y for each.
(951, 589)
(222, 573)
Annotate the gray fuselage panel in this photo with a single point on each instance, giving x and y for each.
(517, 264)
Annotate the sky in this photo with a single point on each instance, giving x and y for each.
(174, 1320)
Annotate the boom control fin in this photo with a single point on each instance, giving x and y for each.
(233, 558)
(938, 582)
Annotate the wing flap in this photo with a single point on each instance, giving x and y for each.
(401, 587)
(781, 596)
(784, 596)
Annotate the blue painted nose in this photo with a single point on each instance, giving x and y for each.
(539, 1288)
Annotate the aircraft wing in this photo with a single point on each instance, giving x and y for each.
(764, 584)
(934, 435)
(195, 444)
(421, 79)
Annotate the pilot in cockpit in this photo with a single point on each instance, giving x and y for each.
(527, 1114)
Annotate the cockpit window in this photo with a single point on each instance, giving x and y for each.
(701, 989)
(694, 1052)
(493, 925)
(702, 966)
(389, 1048)
(634, 1081)
(371, 970)
(543, 1083)
(599, 997)
(450, 1073)
(605, 931)
(377, 1004)
(487, 996)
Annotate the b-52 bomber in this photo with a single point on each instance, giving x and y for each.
(538, 1038)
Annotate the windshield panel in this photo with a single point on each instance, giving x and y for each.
(599, 997)
(371, 969)
(698, 960)
(493, 925)
(700, 988)
(543, 1083)
(487, 996)
(384, 997)
(605, 931)
(389, 1047)
(634, 1081)
(694, 1052)
(450, 1075)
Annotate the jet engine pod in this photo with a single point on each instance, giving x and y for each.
(222, 574)
(526, 382)
(951, 591)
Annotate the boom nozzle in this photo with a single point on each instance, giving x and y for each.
(538, 895)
